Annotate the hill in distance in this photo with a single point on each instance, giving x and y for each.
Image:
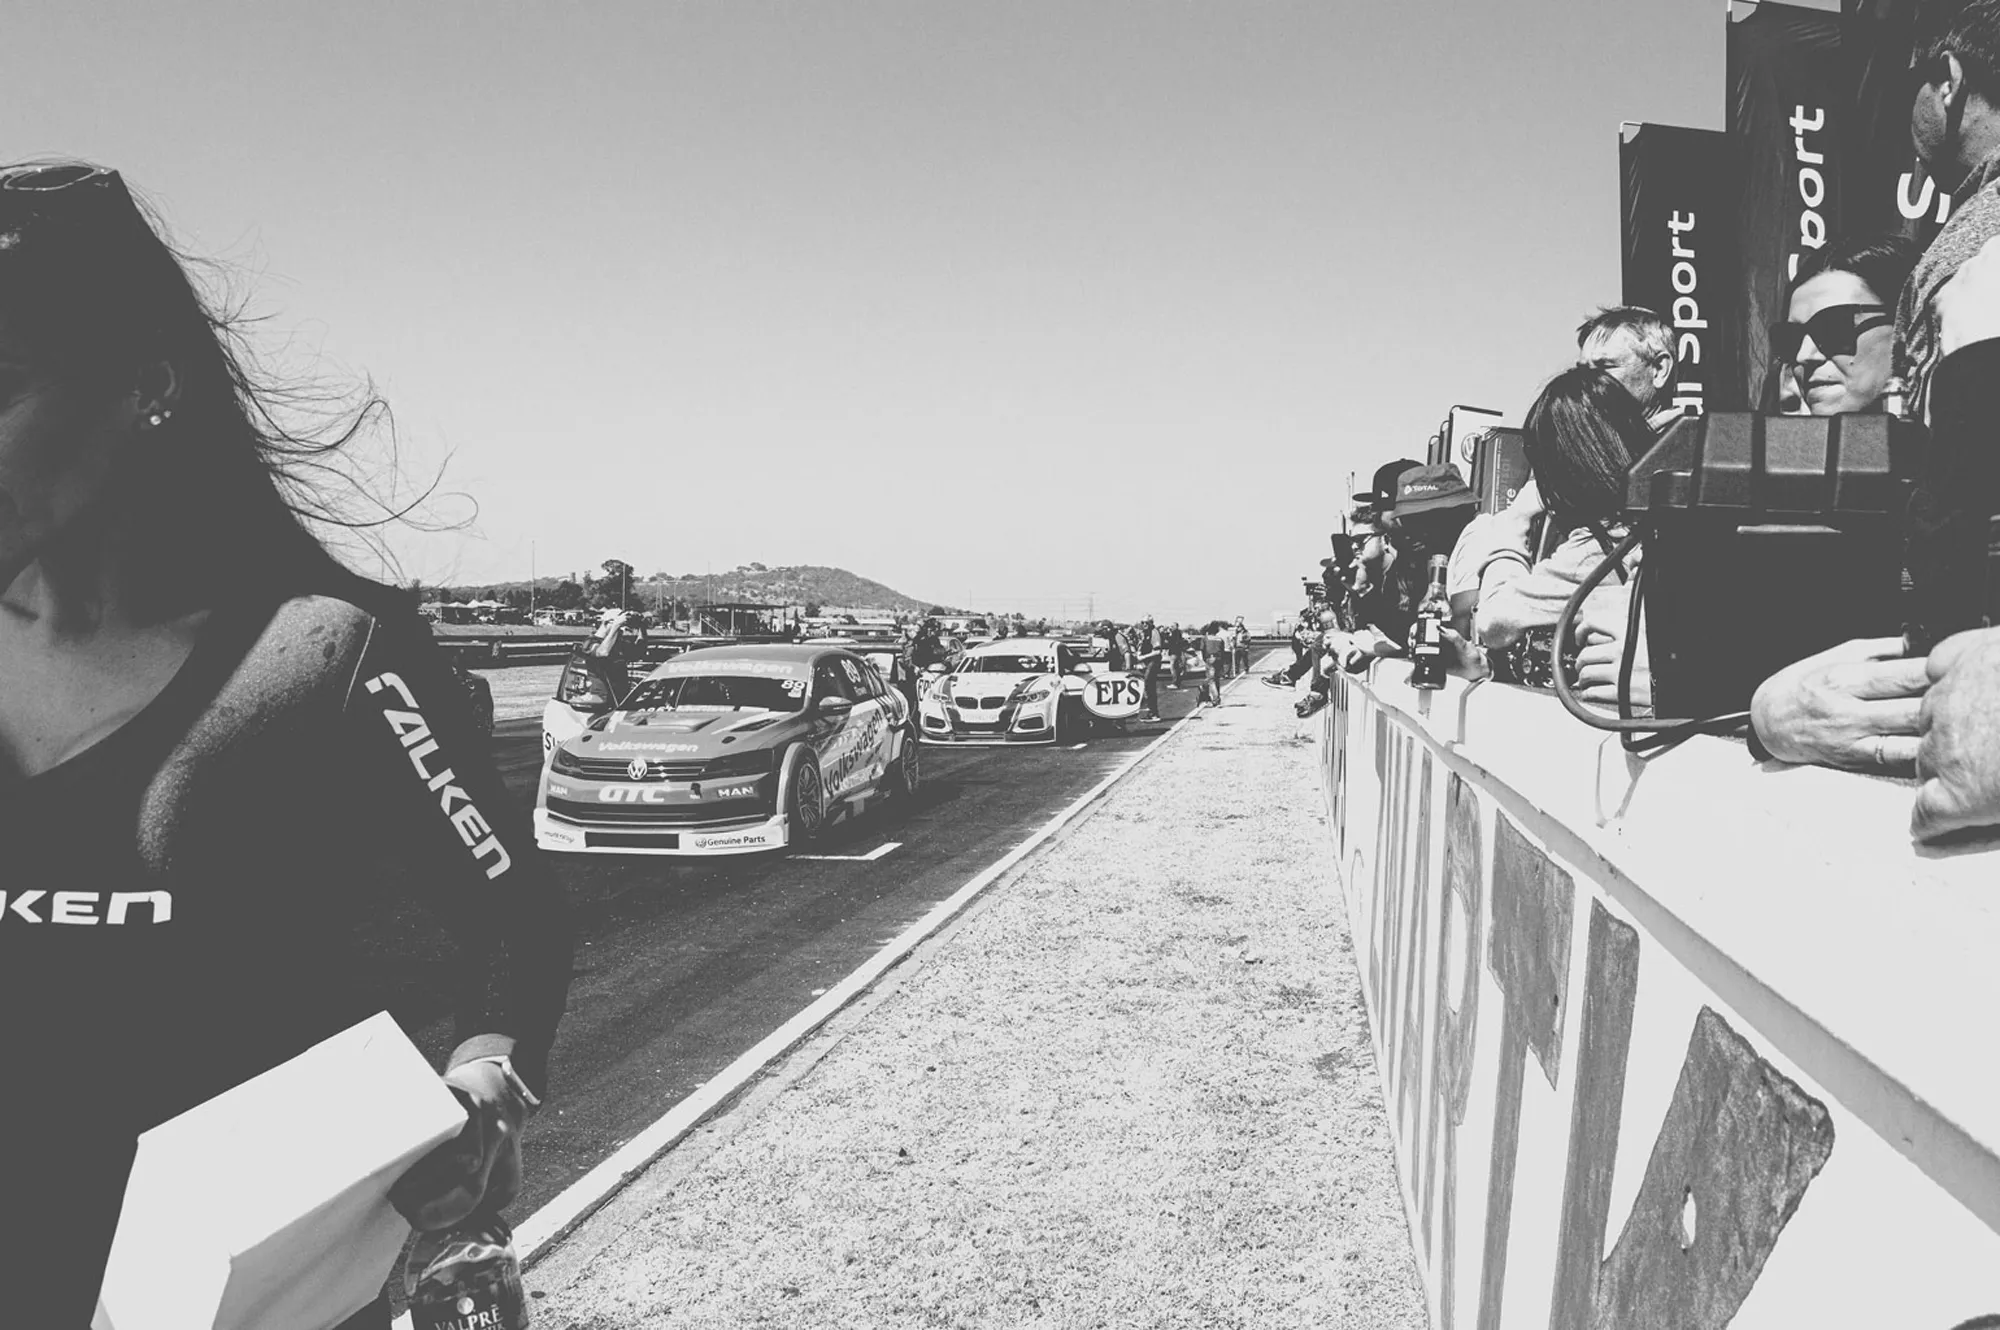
(808, 584)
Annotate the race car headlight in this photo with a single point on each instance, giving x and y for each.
(565, 762)
(1039, 693)
(738, 764)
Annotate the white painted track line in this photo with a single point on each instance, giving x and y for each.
(575, 1203)
(873, 854)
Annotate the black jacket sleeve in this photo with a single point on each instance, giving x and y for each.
(1960, 489)
(446, 817)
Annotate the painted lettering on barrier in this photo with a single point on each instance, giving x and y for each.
(1411, 961)
(1456, 1019)
(1529, 959)
(1740, 1145)
(1611, 988)
(1740, 1142)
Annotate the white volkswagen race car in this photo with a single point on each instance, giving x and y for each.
(1024, 690)
(729, 750)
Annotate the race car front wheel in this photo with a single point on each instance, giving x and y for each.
(908, 774)
(805, 804)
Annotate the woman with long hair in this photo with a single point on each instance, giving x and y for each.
(213, 739)
(1581, 435)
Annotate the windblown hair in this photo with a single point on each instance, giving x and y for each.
(1968, 29)
(213, 505)
(1655, 334)
(1581, 436)
(1884, 262)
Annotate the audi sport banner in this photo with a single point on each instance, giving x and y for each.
(1677, 209)
(1789, 104)
(1888, 189)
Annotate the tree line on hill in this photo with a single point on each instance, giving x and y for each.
(616, 585)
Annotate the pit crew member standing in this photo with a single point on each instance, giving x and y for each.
(1148, 646)
(213, 741)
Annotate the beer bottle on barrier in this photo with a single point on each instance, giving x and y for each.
(466, 1278)
(1427, 634)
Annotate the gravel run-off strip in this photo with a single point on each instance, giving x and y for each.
(1132, 1086)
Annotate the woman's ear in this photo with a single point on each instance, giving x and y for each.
(158, 390)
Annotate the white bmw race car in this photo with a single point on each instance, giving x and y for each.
(1025, 690)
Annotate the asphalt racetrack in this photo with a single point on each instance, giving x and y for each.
(680, 968)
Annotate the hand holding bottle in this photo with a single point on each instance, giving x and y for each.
(479, 1169)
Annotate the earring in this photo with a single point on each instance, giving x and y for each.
(158, 417)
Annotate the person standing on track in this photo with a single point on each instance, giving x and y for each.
(1148, 646)
(1239, 645)
(214, 740)
(1215, 646)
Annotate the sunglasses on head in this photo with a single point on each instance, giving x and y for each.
(1835, 330)
(57, 177)
(70, 190)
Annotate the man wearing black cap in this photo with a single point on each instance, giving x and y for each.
(1428, 508)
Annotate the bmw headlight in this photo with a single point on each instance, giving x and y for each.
(1039, 693)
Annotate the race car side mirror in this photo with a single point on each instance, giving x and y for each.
(832, 706)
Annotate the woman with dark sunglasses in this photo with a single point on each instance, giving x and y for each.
(215, 741)
(1856, 704)
(1839, 329)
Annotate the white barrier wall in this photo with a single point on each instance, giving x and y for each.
(1685, 1042)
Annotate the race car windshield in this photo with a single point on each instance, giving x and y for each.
(729, 692)
(1007, 665)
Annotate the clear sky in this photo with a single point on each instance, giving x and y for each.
(1003, 304)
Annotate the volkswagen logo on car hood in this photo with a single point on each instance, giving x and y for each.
(636, 768)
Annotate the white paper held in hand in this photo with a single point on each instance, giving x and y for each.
(269, 1204)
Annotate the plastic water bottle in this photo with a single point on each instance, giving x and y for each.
(466, 1278)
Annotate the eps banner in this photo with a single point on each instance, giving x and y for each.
(1588, 1136)
(1789, 108)
(1888, 189)
(1677, 219)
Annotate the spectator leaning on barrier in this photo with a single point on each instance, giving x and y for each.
(1837, 343)
(1337, 576)
(1305, 644)
(1635, 346)
(1873, 717)
(1955, 124)
(1376, 555)
(1852, 705)
(1430, 507)
(1581, 436)
(1325, 657)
